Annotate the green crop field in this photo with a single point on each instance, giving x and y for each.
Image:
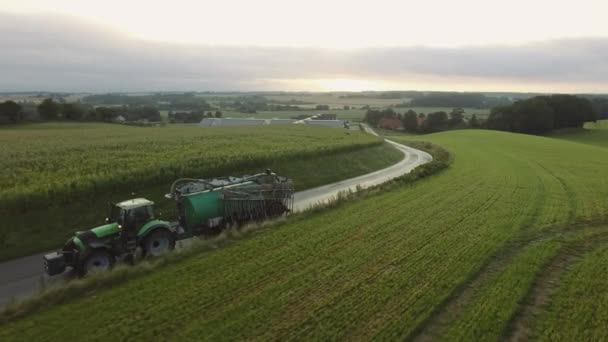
(471, 253)
(58, 178)
(582, 297)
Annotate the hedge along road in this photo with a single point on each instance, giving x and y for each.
(25, 276)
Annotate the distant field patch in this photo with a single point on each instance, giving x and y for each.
(351, 114)
(336, 100)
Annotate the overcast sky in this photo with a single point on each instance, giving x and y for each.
(64, 45)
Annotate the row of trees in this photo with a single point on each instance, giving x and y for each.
(169, 101)
(413, 122)
(51, 110)
(542, 114)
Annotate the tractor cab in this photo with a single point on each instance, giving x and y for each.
(131, 214)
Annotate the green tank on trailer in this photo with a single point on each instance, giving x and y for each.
(204, 205)
(201, 206)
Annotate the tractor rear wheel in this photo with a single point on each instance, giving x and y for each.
(100, 260)
(158, 243)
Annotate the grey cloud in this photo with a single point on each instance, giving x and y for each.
(59, 53)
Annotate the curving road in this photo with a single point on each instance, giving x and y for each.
(325, 193)
(23, 277)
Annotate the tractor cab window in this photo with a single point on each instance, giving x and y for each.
(116, 214)
(140, 214)
(136, 217)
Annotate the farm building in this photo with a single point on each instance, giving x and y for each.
(390, 124)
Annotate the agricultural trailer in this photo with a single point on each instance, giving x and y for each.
(204, 207)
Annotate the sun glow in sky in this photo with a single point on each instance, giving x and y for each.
(338, 23)
(327, 45)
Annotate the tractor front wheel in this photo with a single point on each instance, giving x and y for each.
(158, 243)
(100, 260)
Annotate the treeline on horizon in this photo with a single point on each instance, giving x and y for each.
(181, 108)
(51, 110)
(536, 115)
(191, 102)
(513, 112)
(413, 122)
(543, 114)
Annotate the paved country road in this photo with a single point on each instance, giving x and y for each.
(25, 276)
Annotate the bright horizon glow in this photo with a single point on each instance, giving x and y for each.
(339, 45)
(465, 85)
(336, 24)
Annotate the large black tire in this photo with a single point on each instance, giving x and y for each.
(275, 208)
(158, 243)
(99, 260)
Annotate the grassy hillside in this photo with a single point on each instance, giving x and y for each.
(594, 133)
(59, 177)
(465, 255)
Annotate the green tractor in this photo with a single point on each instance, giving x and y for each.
(203, 206)
(130, 224)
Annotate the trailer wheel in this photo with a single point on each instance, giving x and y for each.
(275, 208)
(158, 243)
(100, 260)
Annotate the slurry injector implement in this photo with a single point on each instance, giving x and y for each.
(203, 207)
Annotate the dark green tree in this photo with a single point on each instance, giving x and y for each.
(72, 111)
(11, 110)
(473, 122)
(106, 114)
(410, 121)
(570, 111)
(373, 116)
(456, 117)
(435, 122)
(528, 116)
(48, 110)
